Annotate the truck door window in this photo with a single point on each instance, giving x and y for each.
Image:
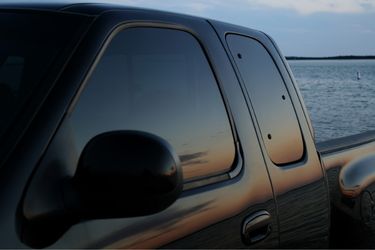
(270, 99)
(159, 81)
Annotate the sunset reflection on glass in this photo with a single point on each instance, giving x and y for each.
(159, 81)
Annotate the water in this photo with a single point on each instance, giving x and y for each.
(338, 103)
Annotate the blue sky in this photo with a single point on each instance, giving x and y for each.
(300, 27)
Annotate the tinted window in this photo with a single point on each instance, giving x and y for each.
(273, 108)
(159, 81)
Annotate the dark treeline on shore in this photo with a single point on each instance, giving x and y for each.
(329, 58)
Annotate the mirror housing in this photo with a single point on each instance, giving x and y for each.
(125, 174)
(119, 174)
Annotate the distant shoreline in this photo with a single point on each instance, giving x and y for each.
(331, 58)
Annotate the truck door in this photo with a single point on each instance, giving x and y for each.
(286, 140)
(169, 76)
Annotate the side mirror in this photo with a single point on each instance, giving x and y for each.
(119, 174)
(124, 174)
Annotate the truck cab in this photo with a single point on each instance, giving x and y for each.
(134, 128)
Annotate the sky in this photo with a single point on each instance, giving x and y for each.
(299, 27)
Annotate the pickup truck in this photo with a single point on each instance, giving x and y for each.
(130, 128)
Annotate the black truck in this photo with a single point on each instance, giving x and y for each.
(130, 128)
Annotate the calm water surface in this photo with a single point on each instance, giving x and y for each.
(339, 104)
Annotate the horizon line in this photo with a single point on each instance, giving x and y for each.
(342, 57)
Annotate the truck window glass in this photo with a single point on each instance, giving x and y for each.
(159, 81)
(270, 99)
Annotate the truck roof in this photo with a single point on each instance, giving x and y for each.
(97, 8)
(88, 8)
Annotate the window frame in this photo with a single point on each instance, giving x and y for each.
(237, 165)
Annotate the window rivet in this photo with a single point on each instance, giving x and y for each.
(239, 55)
(269, 136)
(283, 96)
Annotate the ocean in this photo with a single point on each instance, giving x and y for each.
(339, 104)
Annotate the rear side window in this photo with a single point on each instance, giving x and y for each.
(273, 108)
(159, 81)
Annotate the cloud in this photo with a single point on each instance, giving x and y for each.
(186, 6)
(367, 31)
(303, 7)
(200, 7)
(306, 7)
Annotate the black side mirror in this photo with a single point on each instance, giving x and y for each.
(125, 173)
(119, 174)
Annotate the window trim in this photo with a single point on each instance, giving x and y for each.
(237, 165)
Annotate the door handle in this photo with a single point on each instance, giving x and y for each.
(256, 227)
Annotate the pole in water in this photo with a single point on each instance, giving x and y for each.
(358, 75)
